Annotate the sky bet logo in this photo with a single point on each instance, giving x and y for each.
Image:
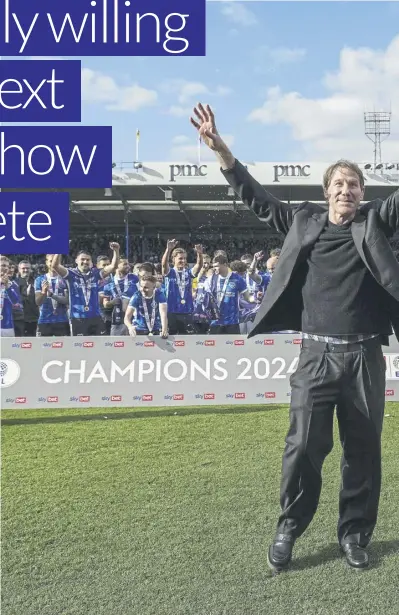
(52, 345)
(49, 400)
(269, 395)
(176, 397)
(236, 342)
(81, 399)
(206, 343)
(266, 342)
(114, 344)
(112, 398)
(205, 396)
(142, 398)
(235, 395)
(145, 344)
(23, 345)
(84, 344)
(16, 400)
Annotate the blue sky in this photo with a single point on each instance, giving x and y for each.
(288, 81)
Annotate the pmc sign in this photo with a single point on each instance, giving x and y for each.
(187, 170)
(290, 170)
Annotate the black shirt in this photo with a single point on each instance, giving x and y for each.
(340, 296)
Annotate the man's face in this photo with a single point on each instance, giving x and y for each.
(123, 267)
(272, 263)
(246, 261)
(24, 269)
(49, 260)
(220, 269)
(180, 260)
(147, 287)
(103, 263)
(4, 269)
(344, 193)
(207, 262)
(84, 262)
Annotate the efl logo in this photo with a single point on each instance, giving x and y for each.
(297, 341)
(178, 397)
(239, 342)
(52, 399)
(116, 397)
(209, 396)
(268, 342)
(239, 395)
(389, 393)
(84, 398)
(88, 344)
(147, 397)
(210, 342)
(57, 344)
(179, 343)
(270, 395)
(149, 344)
(26, 345)
(20, 400)
(119, 344)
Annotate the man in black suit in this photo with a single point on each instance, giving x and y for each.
(337, 281)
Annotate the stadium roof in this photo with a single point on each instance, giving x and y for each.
(179, 197)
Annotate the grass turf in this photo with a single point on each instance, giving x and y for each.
(153, 513)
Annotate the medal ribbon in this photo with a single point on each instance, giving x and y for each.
(55, 291)
(2, 295)
(251, 285)
(181, 282)
(118, 281)
(221, 292)
(86, 290)
(149, 320)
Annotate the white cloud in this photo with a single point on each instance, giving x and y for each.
(188, 93)
(332, 126)
(287, 55)
(180, 111)
(180, 140)
(188, 151)
(189, 90)
(238, 13)
(269, 59)
(221, 90)
(100, 88)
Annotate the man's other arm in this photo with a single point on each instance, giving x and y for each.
(389, 213)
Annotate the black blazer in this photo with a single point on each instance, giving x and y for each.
(302, 225)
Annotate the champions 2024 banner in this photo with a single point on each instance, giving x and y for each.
(125, 372)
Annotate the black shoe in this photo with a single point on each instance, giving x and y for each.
(356, 556)
(280, 552)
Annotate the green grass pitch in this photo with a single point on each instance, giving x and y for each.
(170, 512)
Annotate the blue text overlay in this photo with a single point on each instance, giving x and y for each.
(102, 27)
(40, 91)
(55, 157)
(34, 223)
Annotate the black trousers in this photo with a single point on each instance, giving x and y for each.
(88, 326)
(224, 329)
(180, 324)
(352, 378)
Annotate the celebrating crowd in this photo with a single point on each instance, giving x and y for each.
(115, 297)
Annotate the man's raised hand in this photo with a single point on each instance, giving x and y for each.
(205, 124)
(171, 244)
